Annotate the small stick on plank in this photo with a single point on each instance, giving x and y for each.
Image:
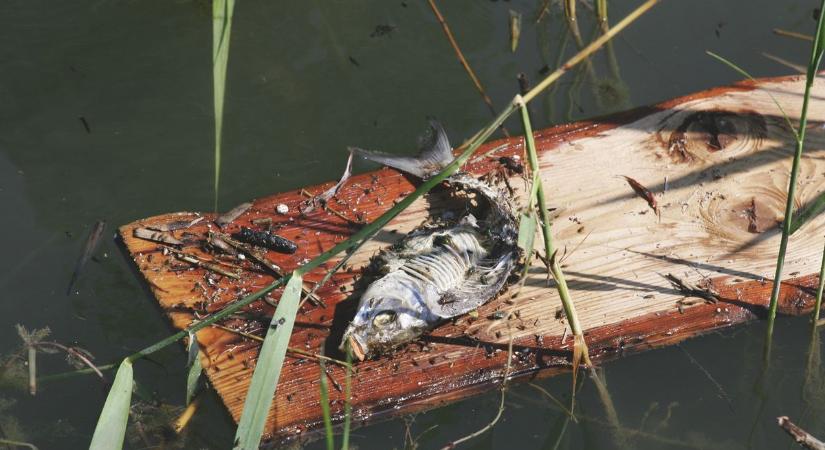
(799, 435)
(645, 193)
(329, 209)
(229, 216)
(691, 290)
(194, 260)
(274, 268)
(297, 351)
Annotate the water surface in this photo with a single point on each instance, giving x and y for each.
(305, 80)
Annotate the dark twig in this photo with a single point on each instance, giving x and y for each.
(464, 62)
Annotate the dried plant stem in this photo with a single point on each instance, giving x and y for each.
(802, 437)
(792, 34)
(463, 61)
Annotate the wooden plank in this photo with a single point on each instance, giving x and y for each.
(718, 163)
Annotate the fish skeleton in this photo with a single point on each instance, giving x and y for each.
(440, 270)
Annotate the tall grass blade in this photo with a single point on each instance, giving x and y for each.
(268, 368)
(747, 75)
(222, 11)
(813, 66)
(111, 426)
(324, 394)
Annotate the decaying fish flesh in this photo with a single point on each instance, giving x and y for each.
(440, 270)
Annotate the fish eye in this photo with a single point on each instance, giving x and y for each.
(384, 318)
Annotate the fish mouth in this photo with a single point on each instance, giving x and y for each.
(357, 350)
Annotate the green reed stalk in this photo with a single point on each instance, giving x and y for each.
(549, 250)
(813, 65)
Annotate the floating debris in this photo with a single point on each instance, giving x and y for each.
(282, 208)
(88, 249)
(515, 29)
(382, 30)
(265, 239)
(229, 216)
(157, 236)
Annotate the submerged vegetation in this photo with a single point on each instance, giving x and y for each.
(129, 418)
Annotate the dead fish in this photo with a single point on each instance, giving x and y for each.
(265, 239)
(440, 270)
(88, 248)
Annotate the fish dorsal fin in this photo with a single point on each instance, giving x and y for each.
(434, 156)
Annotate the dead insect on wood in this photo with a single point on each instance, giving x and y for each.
(266, 239)
(645, 193)
(88, 248)
(229, 216)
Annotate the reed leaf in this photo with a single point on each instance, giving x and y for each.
(324, 395)
(111, 426)
(222, 11)
(811, 210)
(268, 368)
(195, 368)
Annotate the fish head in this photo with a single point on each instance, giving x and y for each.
(391, 312)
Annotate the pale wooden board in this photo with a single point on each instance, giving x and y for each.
(617, 250)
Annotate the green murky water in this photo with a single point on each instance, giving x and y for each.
(305, 80)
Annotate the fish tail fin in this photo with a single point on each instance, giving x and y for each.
(435, 154)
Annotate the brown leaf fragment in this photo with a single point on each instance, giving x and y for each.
(157, 236)
(229, 216)
(644, 193)
(176, 225)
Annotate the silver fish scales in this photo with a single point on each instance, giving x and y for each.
(440, 270)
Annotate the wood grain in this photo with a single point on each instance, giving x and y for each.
(717, 163)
